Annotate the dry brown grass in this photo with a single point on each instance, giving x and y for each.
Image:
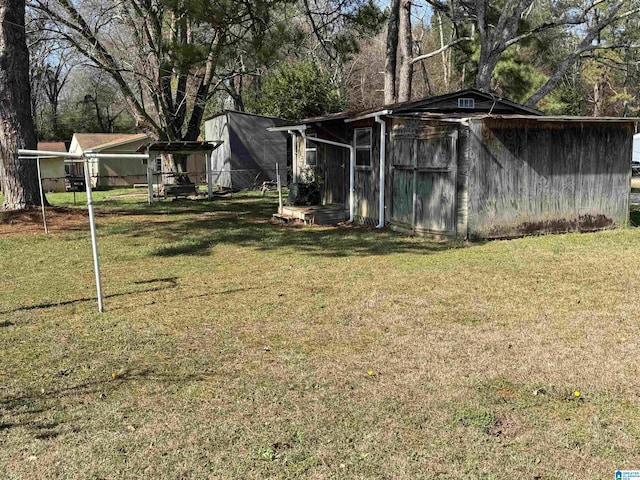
(246, 350)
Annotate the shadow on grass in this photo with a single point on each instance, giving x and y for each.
(34, 407)
(325, 241)
(186, 247)
(194, 227)
(171, 282)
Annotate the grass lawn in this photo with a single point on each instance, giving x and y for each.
(235, 348)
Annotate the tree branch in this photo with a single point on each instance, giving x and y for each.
(440, 50)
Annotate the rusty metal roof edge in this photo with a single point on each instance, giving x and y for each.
(538, 118)
(568, 118)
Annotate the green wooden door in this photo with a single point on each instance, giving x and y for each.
(402, 198)
(424, 181)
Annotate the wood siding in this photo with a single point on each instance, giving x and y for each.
(530, 177)
(367, 179)
(488, 177)
(422, 164)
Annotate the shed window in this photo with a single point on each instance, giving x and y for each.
(466, 103)
(311, 150)
(362, 137)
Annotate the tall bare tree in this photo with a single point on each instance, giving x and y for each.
(18, 177)
(400, 58)
(167, 57)
(405, 51)
(503, 24)
(391, 55)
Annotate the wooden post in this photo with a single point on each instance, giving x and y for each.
(208, 157)
(149, 179)
(279, 190)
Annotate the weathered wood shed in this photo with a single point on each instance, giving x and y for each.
(248, 154)
(469, 165)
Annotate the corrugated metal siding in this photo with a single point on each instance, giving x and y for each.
(254, 150)
(249, 153)
(215, 129)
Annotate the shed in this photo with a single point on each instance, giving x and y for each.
(471, 164)
(248, 154)
(123, 172)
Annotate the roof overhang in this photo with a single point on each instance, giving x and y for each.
(288, 128)
(184, 147)
(459, 117)
(366, 116)
(550, 118)
(116, 143)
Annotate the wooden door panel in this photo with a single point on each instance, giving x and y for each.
(335, 175)
(435, 152)
(424, 181)
(402, 211)
(435, 201)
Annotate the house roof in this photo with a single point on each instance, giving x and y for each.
(52, 147)
(101, 141)
(539, 118)
(444, 104)
(448, 103)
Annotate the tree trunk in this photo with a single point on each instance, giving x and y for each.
(598, 96)
(390, 63)
(19, 178)
(445, 55)
(486, 66)
(405, 47)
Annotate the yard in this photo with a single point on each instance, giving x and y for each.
(235, 348)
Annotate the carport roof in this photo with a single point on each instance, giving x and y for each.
(180, 147)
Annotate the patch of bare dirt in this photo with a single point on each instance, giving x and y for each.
(505, 428)
(25, 222)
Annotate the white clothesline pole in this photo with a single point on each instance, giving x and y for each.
(94, 240)
(35, 154)
(44, 216)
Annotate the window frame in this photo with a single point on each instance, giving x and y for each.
(466, 102)
(310, 146)
(368, 147)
